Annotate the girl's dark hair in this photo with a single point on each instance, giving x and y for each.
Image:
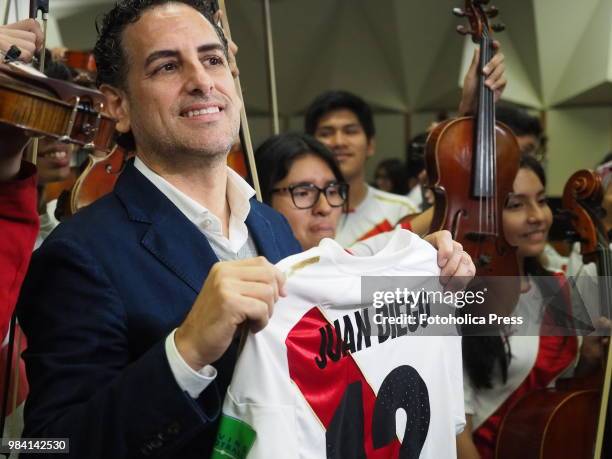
(276, 155)
(482, 354)
(396, 171)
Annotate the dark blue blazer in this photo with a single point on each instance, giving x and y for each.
(102, 294)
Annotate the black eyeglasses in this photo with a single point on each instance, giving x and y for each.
(306, 195)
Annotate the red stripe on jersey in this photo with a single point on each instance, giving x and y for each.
(382, 227)
(324, 388)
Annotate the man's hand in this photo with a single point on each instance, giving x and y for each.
(234, 293)
(26, 35)
(496, 80)
(457, 268)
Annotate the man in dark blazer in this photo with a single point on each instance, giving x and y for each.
(130, 316)
(133, 306)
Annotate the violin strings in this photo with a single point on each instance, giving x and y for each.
(493, 150)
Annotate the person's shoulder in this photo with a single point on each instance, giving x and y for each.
(392, 199)
(101, 219)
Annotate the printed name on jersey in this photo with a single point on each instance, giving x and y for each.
(358, 422)
(338, 341)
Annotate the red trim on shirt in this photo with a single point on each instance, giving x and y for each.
(382, 227)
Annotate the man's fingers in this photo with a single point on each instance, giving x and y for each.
(29, 25)
(450, 268)
(265, 293)
(475, 57)
(494, 63)
(499, 85)
(256, 313)
(22, 39)
(463, 274)
(260, 273)
(19, 38)
(496, 74)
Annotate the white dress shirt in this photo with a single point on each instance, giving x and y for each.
(237, 246)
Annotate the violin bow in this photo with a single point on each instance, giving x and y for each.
(267, 14)
(43, 7)
(245, 133)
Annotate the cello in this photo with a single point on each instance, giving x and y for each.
(553, 415)
(463, 160)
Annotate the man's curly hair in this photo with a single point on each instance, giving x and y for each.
(111, 61)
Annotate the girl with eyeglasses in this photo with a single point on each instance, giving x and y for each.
(300, 178)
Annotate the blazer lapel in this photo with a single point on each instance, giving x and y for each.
(171, 238)
(260, 229)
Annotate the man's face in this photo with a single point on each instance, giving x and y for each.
(181, 99)
(342, 133)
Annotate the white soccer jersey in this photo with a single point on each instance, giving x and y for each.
(318, 383)
(379, 212)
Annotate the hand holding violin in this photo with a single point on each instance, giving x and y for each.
(26, 35)
(496, 80)
(456, 266)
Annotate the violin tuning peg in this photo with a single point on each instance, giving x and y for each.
(492, 12)
(458, 12)
(498, 27)
(463, 31)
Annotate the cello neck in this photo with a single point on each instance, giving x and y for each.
(604, 271)
(484, 143)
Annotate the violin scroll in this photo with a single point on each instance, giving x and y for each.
(478, 16)
(582, 197)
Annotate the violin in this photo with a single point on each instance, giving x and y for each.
(570, 420)
(97, 180)
(43, 106)
(471, 164)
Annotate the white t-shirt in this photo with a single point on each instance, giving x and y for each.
(299, 392)
(48, 222)
(379, 212)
